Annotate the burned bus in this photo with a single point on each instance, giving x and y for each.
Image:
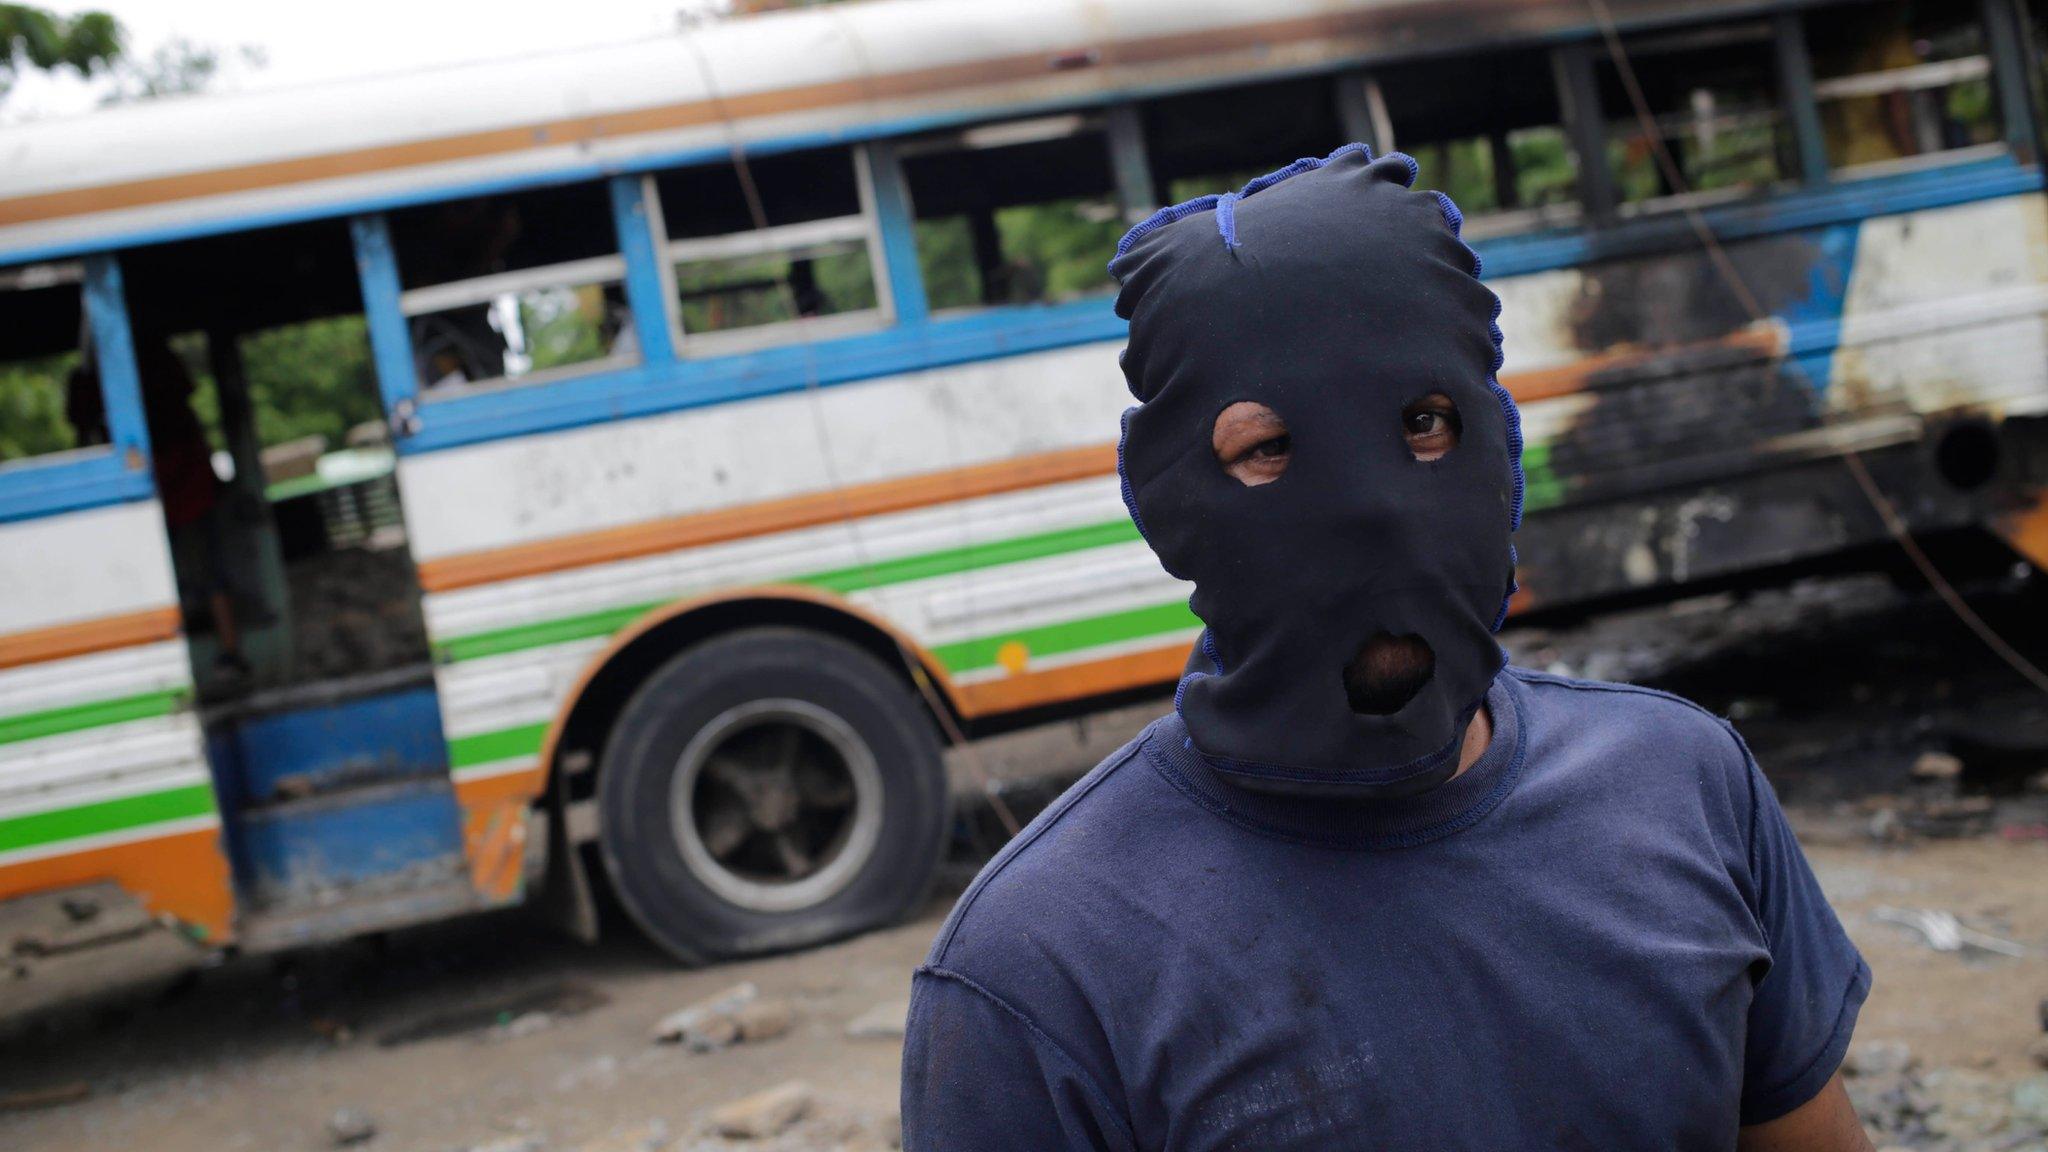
(635, 465)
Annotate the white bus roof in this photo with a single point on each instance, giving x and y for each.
(209, 163)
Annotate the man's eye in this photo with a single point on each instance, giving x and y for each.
(1277, 446)
(1431, 427)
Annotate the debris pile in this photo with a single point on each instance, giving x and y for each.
(1944, 1109)
(737, 1015)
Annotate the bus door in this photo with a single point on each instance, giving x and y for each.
(108, 814)
(304, 632)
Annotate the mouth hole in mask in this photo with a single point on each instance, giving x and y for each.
(1387, 673)
(1251, 443)
(1431, 426)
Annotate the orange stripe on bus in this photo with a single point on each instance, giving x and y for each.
(807, 511)
(88, 636)
(668, 117)
(1156, 666)
(184, 876)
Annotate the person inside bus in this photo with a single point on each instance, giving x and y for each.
(190, 492)
(1366, 886)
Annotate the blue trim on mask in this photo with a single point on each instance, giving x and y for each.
(1455, 220)
(1223, 203)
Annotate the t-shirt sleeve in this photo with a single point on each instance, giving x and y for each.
(979, 1076)
(1805, 1006)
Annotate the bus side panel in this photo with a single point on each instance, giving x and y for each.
(103, 775)
(1670, 436)
(975, 507)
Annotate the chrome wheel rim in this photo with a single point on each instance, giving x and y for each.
(776, 805)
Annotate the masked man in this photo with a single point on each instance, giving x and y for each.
(1366, 887)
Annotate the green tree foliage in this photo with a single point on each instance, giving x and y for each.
(176, 67)
(32, 420)
(38, 38)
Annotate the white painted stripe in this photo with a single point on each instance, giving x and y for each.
(495, 495)
(500, 692)
(109, 839)
(100, 764)
(160, 667)
(109, 561)
(761, 559)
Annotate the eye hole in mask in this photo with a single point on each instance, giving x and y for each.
(1431, 426)
(1387, 672)
(1251, 443)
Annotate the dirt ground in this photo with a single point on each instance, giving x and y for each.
(494, 1033)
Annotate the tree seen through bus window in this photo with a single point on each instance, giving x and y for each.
(780, 239)
(48, 402)
(1900, 78)
(1714, 100)
(1015, 214)
(1487, 131)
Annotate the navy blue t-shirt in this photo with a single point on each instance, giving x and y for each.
(1602, 935)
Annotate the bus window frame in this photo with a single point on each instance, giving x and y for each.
(101, 474)
(861, 227)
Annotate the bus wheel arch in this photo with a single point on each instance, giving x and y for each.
(855, 683)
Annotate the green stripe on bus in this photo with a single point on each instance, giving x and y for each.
(93, 714)
(1070, 635)
(944, 562)
(948, 561)
(490, 747)
(519, 638)
(106, 816)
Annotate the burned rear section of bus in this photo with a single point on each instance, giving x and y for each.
(1850, 261)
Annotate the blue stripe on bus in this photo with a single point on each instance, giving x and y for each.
(1000, 332)
(1008, 331)
(45, 488)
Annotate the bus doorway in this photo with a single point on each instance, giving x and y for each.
(302, 605)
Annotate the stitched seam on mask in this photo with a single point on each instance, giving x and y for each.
(1226, 220)
(1480, 809)
(1209, 650)
(1213, 200)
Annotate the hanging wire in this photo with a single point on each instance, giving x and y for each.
(935, 701)
(1887, 511)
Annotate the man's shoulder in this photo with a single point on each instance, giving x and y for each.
(1036, 885)
(1626, 732)
(1647, 712)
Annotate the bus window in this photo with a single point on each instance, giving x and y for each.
(521, 287)
(1487, 130)
(49, 401)
(1898, 79)
(1018, 212)
(1219, 140)
(776, 251)
(1714, 96)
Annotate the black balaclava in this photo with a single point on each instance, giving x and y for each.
(1336, 295)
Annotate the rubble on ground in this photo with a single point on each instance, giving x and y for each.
(1905, 1106)
(735, 1016)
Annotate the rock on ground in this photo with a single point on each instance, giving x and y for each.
(765, 1113)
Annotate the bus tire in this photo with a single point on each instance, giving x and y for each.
(770, 789)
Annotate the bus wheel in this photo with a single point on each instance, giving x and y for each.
(769, 789)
